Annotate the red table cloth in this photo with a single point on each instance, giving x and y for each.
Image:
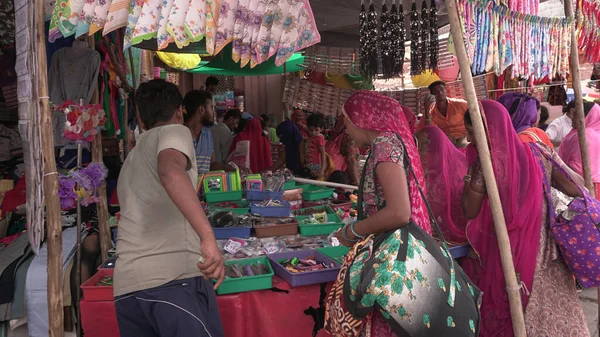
(282, 311)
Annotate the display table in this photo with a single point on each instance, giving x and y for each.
(281, 311)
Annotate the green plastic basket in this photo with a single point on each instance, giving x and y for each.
(335, 253)
(324, 229)
(223, 196)
(247, 283)
(313, 192)
(289, 185)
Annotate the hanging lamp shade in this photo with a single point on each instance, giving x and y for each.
(179, 61)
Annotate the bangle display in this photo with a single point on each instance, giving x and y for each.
(354, 231)
(346, 236)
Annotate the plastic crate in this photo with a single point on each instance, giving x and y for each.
(289, 185)
(346, 206)
(276, 230)
(272, 211)
(94, 293)
(337, 254)
(320, 229)
(306, 278)
(108, 264)
(232, 232)
(314, 192)
(264, 195)
(223, 196)
(247, 283)
(99, 319)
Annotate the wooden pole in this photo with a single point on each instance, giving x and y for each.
(512, 286)
(78, 259)
(325, 183)
(52, 201)
(580, 118)
(102, 206)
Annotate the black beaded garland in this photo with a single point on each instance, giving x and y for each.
(399, 37)
(363, 40)
(424, 36)
(415, 60)
(433, 37)
(371, 45)
(386, 40)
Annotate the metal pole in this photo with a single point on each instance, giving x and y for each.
(510, 277)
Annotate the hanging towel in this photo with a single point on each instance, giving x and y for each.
(117, 16)
(195, 20)
(176, 23)
(100, 14)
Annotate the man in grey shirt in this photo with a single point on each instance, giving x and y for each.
(222, 135)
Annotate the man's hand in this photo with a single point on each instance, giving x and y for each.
(213, 267)
(321, 173)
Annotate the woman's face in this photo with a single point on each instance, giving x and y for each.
(358, 135)
(470, 137)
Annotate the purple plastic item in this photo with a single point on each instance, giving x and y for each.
(306, 278)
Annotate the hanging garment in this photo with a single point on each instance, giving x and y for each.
(195, 20)
(100, 14)
(57, 12)
(226, 24)
(135, 9)
(85, 18)
(213, 9)
(176, 23)
(242, 21)
(117, 16)
(297, 37)
(163, 37)
(147, 25)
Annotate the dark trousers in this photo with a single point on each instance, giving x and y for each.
(176, 309)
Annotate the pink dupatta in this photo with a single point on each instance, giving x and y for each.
(444, 167)
(520, 183)
(570, 151)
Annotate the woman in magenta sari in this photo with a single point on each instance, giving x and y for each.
(548, 292)
(444, 166)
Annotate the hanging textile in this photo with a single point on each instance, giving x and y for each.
(496, 37)
(117, 16)
(368, 41)
(433, 37)
(588, 29)
(424, 32)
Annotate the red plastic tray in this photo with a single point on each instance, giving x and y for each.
(94, 293)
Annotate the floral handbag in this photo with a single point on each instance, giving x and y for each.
(407, 276)
(576, 231)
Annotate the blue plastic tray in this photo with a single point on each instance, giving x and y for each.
(306, 278)
(460, 251)
(263, 195)
(272, 211)
(232, 232)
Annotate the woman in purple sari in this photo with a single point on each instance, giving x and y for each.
(549, 296)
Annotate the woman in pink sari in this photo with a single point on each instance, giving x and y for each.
(570, 151)
(343, 152)
(548, 292)
(444, 166)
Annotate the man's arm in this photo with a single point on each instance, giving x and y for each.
(172, 172)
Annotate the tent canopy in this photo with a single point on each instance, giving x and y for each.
(223, 64)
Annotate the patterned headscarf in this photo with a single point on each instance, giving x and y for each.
(522, 108)
(370, 110)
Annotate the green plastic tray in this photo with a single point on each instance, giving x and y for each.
(223, 196)
(243, 208)
(315, 230)
(313, 192)
(247, 283)
(335, 253)
(312, 210)
(289, 185)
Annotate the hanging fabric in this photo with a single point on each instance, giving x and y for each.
(497, 37)
(368, 51)
(386, 38)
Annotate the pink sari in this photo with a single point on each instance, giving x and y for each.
(570, 151)
(520, 183)
(444, 166)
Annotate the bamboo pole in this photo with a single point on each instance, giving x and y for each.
(512, 286)
(78, 259)
(53, 216)
(580, 119)
(102, 205)
(325, 183)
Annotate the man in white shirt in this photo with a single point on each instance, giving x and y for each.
(560, 127)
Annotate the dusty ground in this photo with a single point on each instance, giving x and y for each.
(589, 302)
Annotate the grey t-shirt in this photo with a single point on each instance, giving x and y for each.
(222, 139)
(156, 244)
